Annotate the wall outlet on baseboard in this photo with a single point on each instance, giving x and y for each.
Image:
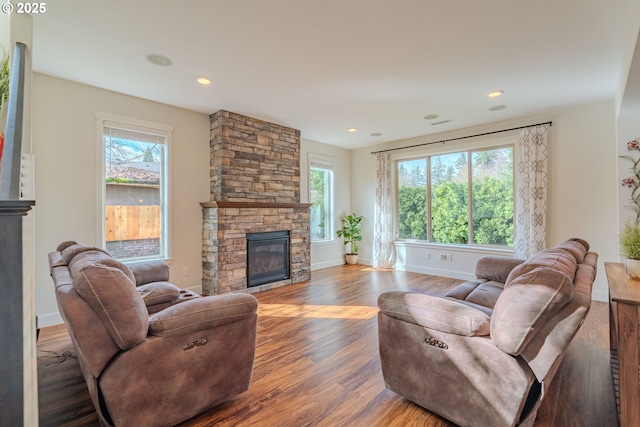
(185, 271)
(427, 255)
(449, 257)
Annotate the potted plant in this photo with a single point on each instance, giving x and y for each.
(630, 245)
(350, 232)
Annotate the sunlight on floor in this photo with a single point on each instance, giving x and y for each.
(318, 311)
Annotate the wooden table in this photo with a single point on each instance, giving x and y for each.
(624, 315)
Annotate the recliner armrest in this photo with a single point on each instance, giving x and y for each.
(149, 271)
(202, 313)
(158, 293)
(496, 268)
(435, 312)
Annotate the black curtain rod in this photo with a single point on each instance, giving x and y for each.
(460, 137)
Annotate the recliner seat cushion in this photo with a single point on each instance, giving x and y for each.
(436, 313)
(478, 292)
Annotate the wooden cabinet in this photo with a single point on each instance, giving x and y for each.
(624, 315)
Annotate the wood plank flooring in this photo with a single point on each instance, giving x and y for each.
(317, 364)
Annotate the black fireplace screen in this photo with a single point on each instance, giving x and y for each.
(267, 257)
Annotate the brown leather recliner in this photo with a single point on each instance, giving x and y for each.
(151, 354)
(485, 353)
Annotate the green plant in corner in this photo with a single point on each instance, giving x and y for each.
(350, 232)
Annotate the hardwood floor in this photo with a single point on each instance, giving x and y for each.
(317, 363)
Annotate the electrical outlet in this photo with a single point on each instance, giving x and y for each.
(427, 255)
(185, 271)
(443, 257)
(449, 257)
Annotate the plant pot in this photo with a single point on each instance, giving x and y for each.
(351, 258)
(633, 268)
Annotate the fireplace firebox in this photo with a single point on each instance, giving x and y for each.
(267, 257)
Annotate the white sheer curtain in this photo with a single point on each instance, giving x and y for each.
(531, 201)
(383, 247)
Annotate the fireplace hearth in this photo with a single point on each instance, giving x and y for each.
(267, 257)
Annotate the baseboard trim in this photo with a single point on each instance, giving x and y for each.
(436, 272)
(49, 319)
(600, 296)
(327, 264)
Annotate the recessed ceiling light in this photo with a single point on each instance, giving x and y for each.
(376, 134)
(352, 129)
(203, 80)
(431, 117)
(158, 59)
(497, 107)
(495, 93)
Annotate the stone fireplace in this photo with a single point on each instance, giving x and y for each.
(255, 188)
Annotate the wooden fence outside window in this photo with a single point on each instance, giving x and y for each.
(132, 222)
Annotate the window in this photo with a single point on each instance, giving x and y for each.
(458, 198)
(321, 197)
(134, 179)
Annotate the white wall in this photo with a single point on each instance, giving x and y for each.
(582, 197)
(328, 254)
(582, 174)
(65, 147)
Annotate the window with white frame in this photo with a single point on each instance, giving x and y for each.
(134, 179)
(321, 197)
(463, 197)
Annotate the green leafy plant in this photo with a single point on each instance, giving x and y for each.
(4, 81)
(351, 228)
(630, 240)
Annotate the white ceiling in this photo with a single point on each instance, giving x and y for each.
(323, 66)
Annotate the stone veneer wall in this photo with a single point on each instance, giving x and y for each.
(253, 160)
(255, 187)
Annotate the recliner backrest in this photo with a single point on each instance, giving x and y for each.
(534, 292)
(523, 307)
(108, 287)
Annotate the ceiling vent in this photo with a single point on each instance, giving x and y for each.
(440, 122)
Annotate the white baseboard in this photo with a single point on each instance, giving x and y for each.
(600, 296)
(327, 264)
(436, 272)
(49, 319)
